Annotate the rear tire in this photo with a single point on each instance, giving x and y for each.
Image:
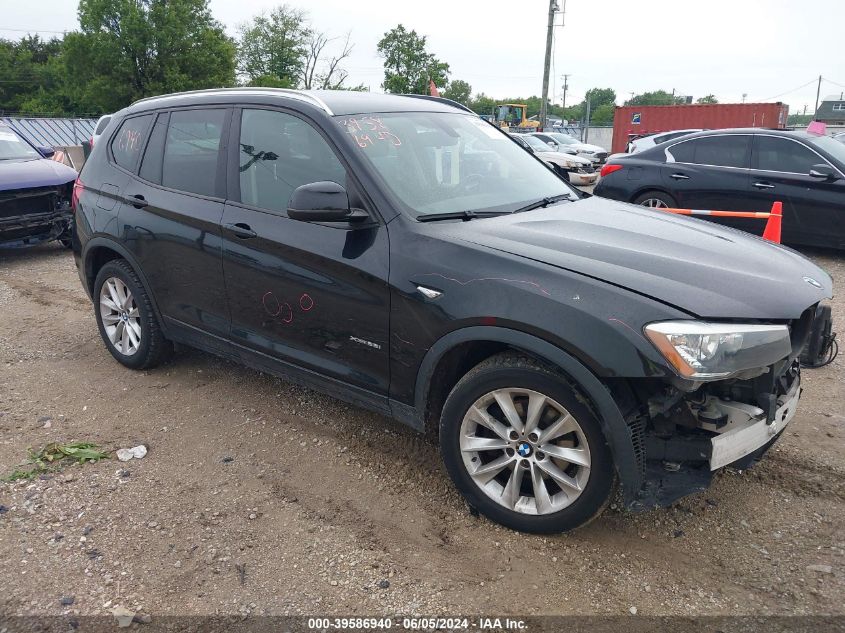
(126, 319)
(656, 200)
(538, 462)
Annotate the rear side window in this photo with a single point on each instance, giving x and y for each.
(129, 141)
(278, 153)
(191, 150)
(779, 154)
(151, 164)
(721, 151)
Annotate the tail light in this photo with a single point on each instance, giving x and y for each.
(92, 142)
(78, 188)
(609, 169)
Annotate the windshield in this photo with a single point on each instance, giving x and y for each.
(832, 147)
(536, 143)
(564, 139)
(12, 146)
(444, 162)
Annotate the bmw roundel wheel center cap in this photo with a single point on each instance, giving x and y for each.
(524, 449)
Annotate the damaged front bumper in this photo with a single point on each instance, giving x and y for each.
(34, 228)
(707, 430)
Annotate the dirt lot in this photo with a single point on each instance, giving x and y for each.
(260, 497)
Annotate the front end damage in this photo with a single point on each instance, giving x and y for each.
(35, 215)
(684, 431)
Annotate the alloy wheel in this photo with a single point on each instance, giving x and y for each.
(120, 316)
(525, 451)
(654, 203)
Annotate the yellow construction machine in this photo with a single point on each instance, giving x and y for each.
(513, 117)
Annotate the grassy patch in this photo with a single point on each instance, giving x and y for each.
(55, 455)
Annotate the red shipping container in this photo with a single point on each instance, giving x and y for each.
(633, 121)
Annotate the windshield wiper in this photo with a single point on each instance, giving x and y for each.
(544, 202)
(459, 215)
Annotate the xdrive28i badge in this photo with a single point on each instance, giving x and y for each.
(812, 282)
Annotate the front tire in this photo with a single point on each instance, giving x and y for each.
(524, 449)
(125, 317)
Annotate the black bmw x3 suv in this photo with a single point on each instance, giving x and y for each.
(404, 255)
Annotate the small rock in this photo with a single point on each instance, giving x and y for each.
(152, 524)
(66, 601)
(123, 616)
(87, 530)
(384, 584)
(744, 523)
(633, 610)
(253, 516)
(177, 564)
(44, 418)
(333, 583)
(822, 569)
(678, 533)
(47, 425)
(228, 460)
(136, 452)
(29, 550)
(143, 618)
(68, 477)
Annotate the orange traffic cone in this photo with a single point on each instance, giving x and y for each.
(772, 231)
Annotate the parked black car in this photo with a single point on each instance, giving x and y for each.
(741, 170)
(35, 193)
(406, 256)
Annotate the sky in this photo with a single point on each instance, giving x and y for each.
(769, 50)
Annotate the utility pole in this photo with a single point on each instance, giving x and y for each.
(553, 7)
(818, 94)
(586, 133)
(565, 86)
(744, 95)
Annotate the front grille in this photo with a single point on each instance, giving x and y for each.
(586, 169)
(601, 155)
(27, 201)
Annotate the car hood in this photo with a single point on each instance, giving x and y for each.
(37, 172)
(702, 268)
(588, 147)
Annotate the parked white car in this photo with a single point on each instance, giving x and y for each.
(647, 142)
(577, 169)
(565, 143)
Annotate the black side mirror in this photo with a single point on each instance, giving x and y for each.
(323, 201)
(823, 171)
(46, 152)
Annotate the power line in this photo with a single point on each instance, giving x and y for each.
(812, 81)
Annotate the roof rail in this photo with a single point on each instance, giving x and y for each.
(301, 95)
(450, 102)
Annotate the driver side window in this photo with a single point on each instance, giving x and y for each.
(279, 152)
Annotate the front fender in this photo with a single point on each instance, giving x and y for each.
(618, 434)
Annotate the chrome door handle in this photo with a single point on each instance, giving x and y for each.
(763, 185)
(679, 177)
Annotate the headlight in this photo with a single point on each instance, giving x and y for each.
(710, 351)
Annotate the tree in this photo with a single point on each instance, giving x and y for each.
(33, 77)
(128, 49)
(603, 115)
(407, 65)
(707, 99)
(459, 91)
(482, 104)
(600, 96)
(658, 97)
(273, 47)
(320, 71)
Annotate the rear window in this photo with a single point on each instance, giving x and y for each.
(129, 141)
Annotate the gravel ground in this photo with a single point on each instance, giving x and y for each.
(260, 497)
